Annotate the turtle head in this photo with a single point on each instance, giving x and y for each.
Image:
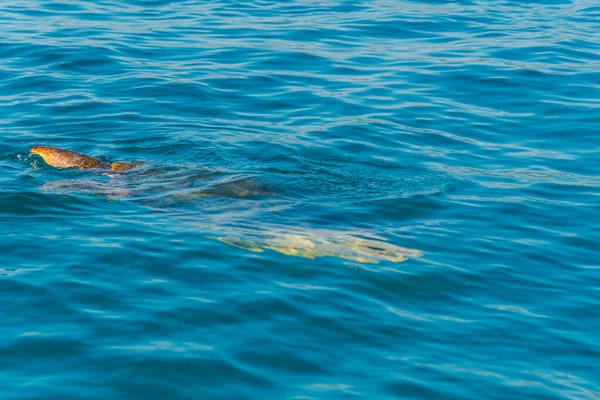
(51, 155)
(61, 158)
(42, 150)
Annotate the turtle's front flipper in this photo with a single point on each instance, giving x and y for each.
(380, 249)
(239, 243)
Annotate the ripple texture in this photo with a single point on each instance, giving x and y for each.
(465, 132)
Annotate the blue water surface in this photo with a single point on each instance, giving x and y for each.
(465, 131)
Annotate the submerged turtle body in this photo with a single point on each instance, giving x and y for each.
(61, 158)
(320, 243)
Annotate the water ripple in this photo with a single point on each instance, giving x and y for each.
(460, 135)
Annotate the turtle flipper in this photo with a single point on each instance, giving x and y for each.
(239, 243)
(380, 249)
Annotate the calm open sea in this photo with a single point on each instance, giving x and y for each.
(288, 148)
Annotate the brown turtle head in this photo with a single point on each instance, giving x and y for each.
(41, 150)
(61, 158)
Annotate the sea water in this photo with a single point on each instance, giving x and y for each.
(464, 132)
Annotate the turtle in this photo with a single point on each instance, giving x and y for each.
(306, 243)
